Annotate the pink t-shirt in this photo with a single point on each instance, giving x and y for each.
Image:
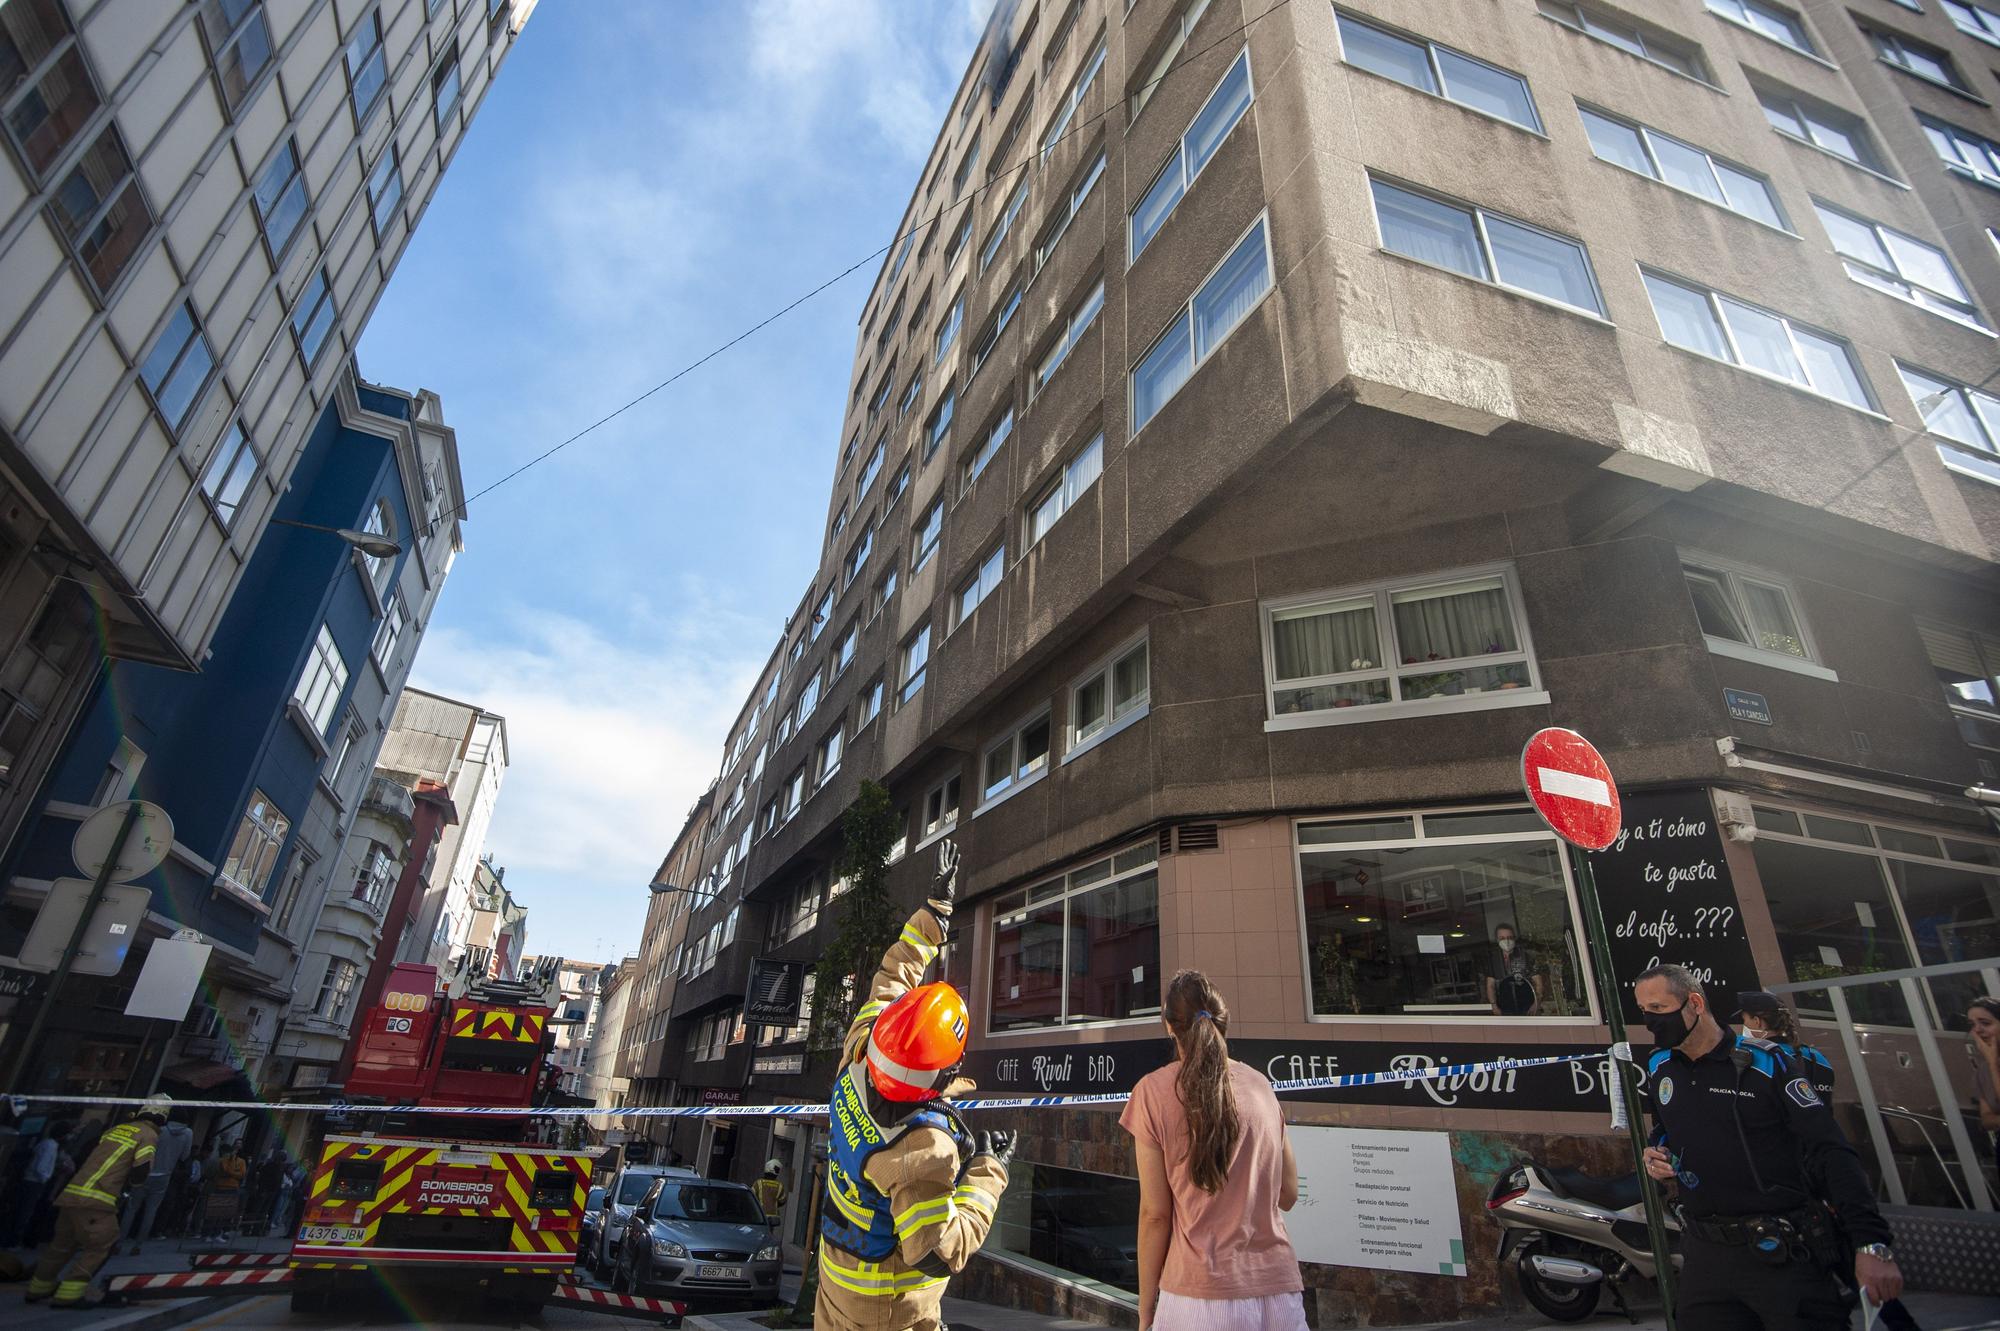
(1230, 1244)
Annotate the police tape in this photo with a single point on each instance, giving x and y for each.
(1341, 1082)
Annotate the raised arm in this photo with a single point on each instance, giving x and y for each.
(904, 964)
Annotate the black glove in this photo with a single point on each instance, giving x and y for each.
(999, 1145)
(945, 885)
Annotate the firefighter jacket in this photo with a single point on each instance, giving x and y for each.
(907, 1204)
(770, 1191)
(123, 1156)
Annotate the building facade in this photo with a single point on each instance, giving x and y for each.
(1265, 420)
(202, 204)
(603, 1082)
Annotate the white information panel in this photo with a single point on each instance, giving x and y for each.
(1379, 1199)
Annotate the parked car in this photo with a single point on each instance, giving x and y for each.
(702, 1241)
(628, 1188)
(586, 1238)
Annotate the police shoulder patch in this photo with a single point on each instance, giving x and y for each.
(1666, 1091)
(1802, 1092)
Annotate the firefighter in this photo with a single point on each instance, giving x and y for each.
(910, 1191)
(770, 1189)
(87, 1210)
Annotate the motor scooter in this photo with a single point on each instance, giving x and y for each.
(1569, 1235)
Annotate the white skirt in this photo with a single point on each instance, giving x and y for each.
(1272, 1312)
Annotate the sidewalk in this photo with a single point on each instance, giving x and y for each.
(146, 1315)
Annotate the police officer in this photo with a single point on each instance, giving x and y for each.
(1756, 1160)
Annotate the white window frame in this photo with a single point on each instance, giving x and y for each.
(871, 468)
(843, 649)
(1935, 129)
(869, 704)
(1492, 277)
(1743, 14)
(1729, 338)
(1054, 230)
(857, 555)
(972, 592)
(321, 682)
(224, 482)
(255, 845)
(883, 591)
(1969, 317)
(1658, 176)
(1026, 900)
(336, 989)
(388, 633)
(989, 446)
(1977, 458)
(923, 550)
(948, 328)
(1973, 20)
(994, 238)
(1017, 780)
(1183, 324)
(937, 429)
(1078, 322)
(1535, 694)
(1079, 88)
(1105, 670)
(947, 819)
(989, 337)
(826, 757)
(1178, 162)
(905, 693)
(1156, 72)
(1584, 16)
(1431, 49)
(1807, 111)
(1733, 572)
(1893, 49)
(1064, 485)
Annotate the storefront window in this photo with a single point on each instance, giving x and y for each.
(1085, 1225)
(1851, 898)
(1081, 947)
(1462, 914)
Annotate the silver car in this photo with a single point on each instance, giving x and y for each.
(702, 1241)
(627, 1190)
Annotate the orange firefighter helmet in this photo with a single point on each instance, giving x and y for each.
(917, 1044)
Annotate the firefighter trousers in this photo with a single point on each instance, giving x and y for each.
(84, 1239)
(844, 1310)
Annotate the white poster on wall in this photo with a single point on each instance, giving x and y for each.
(1379, 1199)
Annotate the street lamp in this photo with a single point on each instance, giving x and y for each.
(368, 543)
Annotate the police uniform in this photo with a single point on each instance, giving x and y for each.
(907, 1203)
(1755, 1151)
(87, 1212)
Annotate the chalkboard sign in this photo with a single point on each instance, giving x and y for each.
(1667, 896)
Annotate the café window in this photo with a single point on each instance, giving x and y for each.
(1080, 947)
(1084, 1226)
(1450, 643)
(1405, 915)
(1849, 897)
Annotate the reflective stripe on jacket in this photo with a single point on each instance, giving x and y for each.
(120, 1152)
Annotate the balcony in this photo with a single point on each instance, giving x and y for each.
(725, 979)
(388, 800)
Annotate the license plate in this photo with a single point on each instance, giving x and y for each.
(332, 1234)
(721, 1273)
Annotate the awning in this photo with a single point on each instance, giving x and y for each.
(200, 1074)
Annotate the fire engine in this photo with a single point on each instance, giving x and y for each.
(409, 1198)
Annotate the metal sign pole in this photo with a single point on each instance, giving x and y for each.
(1614, 1017)
(76, 937)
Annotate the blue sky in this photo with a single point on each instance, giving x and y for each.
(643, 182)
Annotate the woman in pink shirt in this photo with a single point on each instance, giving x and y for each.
(1215, 1170)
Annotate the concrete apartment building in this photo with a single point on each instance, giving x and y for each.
(648, 1062)
(1269, 416)
(200, 206)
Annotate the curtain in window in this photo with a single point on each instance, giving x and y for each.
(1468, 619)
(1226, 297)
(1323, 640)
(1426, 229)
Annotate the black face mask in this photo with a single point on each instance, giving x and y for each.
(1667, 1028)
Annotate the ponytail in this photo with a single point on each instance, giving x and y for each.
(1199, 1021)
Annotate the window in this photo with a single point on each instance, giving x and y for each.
(826, 758)
(1079, 322)
(1223, 300)
(1227, 104)
(281, 199)
(48, 95)
(901, 845)
(322, 681)
(795, 792)
(1659, 48)
(939, 424)
(843, 650)
(915, 656)
(947, 331)
(254, 851)
(941, 808)
(870, 706)
(1820, 125)
(897, 484)
(873, 466)
(882, 391)
(902, 253)
(1176, 41)
(1066, 210)
(979, 586)
(1081, 947)
(1916, 58)
(1687, 168)
(995, 326)
(857, 555)
(389, 632)
(1961, 414)
(885, 591)
(177, 368)
(796, 913)
(1439, 71)
(312, 317)
(998, 234)
(1402, 912)
(1003, 159)
(1445, 644)
(444, 85)
(966, 166)
(1963, 151)
(1059, 39)
(1112, 696)
(1486, 246)
(1744, 614)
(1061, 493)
(367, 66)
(226, 479)
(1967, 664)
(887, 335)
(335, 990)
(989, 445)
(1973, 20)
(839, 521)
(808, 699)
(385, 189)
(911, 394)
(1714, 325)
(1019, 758)
(1085, 78)
(376, 878)
(1780, 25)
(100, 212)
(239, 45)
(1905, 267)
(928, 529)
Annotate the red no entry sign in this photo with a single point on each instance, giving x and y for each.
(1572, 788)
